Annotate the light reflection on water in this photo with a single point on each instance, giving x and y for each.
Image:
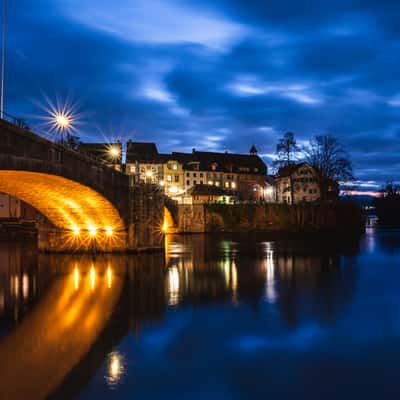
(206, 305)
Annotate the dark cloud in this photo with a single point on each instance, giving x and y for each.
(249, 71)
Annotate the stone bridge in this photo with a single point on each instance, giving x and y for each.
(86, 205)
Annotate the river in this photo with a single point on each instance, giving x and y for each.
(215, 317)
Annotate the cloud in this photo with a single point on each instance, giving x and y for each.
(157, 22)
(217, 74)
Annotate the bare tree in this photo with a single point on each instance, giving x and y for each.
(330, 159)
(286, 150)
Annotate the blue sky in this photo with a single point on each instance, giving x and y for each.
(216, 74)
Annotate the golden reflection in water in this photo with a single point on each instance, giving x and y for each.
(115, 368)
(109, 277)
(269, 267)
(230, 275)
(59, 331)
(173, 286)
(76, 277)
(92, 277)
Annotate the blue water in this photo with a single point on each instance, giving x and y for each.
(221, 318)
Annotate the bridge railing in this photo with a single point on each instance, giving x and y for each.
(21, 124)
(12, 119)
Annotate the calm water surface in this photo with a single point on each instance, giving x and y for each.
(212, 318)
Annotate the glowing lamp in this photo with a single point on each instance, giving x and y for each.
(149, 174)
(109, 231)
(173, 189)
(76, 231)
(115, 152)
(62, 121)
(92, 231)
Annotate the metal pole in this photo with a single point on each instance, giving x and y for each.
(3, 58)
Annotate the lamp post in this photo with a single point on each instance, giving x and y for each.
(3, 59)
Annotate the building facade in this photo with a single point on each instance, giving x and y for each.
(300, 183)
(243, 175)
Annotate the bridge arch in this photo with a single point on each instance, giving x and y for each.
(83, 217)
(171, 223)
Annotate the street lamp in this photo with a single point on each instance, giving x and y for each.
(62, 122)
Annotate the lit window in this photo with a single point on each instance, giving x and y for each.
(169, 178)
(216, 183)
(226, 184)
(233, 185)
(210, 182)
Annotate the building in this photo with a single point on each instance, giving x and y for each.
(200, 194)
(109, 153)
(242, 174)
(299, 183)
(144, 163)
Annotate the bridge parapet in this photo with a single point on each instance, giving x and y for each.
(22, 150)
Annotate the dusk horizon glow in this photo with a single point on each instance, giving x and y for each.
(216, 75)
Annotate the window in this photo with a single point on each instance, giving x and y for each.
(201, 174)
(169, 178)
(217, 183)
(133, 169)
(233, 185)
(194, 175)
(210, 182)
(226, 184)
(194, 183)
(201, 182)
(176, 178)
(188, 182)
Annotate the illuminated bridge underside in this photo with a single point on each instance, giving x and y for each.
(84, 218)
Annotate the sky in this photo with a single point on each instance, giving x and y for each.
(215, 75)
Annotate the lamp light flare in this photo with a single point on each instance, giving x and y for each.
(109, 231)
(62, 121)
(92, 231)
(116, 369)
(76, 231)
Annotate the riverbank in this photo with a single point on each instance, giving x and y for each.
(343, 217)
